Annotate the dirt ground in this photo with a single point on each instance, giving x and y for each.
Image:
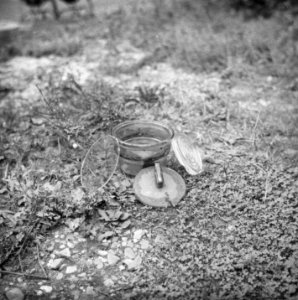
(233, 235)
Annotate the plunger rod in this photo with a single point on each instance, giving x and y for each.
(158, 175)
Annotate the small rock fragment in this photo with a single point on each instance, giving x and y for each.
(76, 295)
(133, 263)
(55, 264)
(124, 241)
(108, 282)
(112, 258)
(114, 245)
(102, 252)
(70, 245)
(129, 253)
(71, 269)
(138, 235)
(98, 262)
(90, 291)
(15, 294)
(59, 276)
(144, 244)
(46, 288)
(64, 253)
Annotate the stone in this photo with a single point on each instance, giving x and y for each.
(124, 241)
(114, 245)
(39, 293)
(76, 295)
(73, 278)
(55, 264)
(90, 291)
(138, 235)
(71, 269)
(130, 244)
(59, 276)
(102, 252)
(15, 294)
(62, 246)
(82, 275)
(108, 282)
(64, 253)
(98, 262)
(144, 244)
(70, 245)
(133, 263)
(129, 253)
(46, 288)
(112, 258)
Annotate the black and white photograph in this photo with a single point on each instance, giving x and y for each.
(149, 149)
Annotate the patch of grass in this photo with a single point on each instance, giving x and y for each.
(200, 37)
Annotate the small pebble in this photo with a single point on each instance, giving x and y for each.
(108, 282)
(15, 294)
(112, 259)
(73, 286)
(70, 245)
(144, 244)
(39, 293)
(76, 295)
(46, 288)
(73, 278)
(138, 235)
(90, 291)
(114, 245)
(65, 252)
(62, 246)
(130, 244)
(129, 253)
(98, 262)
(50, 248)
(82, 275)
(59, 276)
(71, 269)
(55, 264)
(102, 252)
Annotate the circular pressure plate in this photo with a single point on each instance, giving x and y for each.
(147, 192)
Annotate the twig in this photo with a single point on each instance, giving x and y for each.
(14, 246)
(20, 262)
(38, 258)
(26, 238)
(25, 274)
